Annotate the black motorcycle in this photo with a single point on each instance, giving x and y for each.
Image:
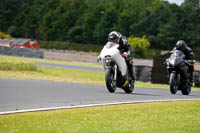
(178, 69)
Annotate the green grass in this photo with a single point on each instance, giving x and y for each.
(164, 117)
(64, 75)
(24, 59)
(16, 65)
(58, 75)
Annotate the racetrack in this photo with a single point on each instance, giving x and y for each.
(17, 95)
(70, 66)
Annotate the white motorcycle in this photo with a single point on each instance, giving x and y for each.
(115, 67)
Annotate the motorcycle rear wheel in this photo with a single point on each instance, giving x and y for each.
(110, 83)
(130, 87)
(173, 83)
(186, 90)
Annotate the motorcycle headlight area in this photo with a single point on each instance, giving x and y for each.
(172, 62)
(108, 60)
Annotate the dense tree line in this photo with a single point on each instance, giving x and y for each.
(90, 21)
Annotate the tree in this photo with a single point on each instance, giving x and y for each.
(5, 36)
(172, 31)
(105, 25)
(194, 3)
(90, 21)
(140, 46)
(9, 9)
(190, 21)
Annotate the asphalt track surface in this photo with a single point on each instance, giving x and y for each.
(20, 94)
(70, 66)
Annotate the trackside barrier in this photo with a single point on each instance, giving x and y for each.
(22, 52)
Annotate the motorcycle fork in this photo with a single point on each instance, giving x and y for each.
(177, 78)
(115, 70)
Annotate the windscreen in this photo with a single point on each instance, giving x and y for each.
(110, 45)
(177, 54)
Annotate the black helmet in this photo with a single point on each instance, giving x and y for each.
(113, 37)
(181, 45)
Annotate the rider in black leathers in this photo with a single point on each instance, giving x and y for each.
(125, 48)
(189, 55)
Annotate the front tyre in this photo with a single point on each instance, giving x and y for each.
(110, 83)
(173, 83)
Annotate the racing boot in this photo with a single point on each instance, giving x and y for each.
(191, 79)
(125, 80)
(191, 70)
(132, 75)
(131, 71)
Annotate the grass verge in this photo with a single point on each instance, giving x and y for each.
(16, 65)
(164, 117)
(26, 59)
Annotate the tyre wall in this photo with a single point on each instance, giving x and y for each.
(22, 52)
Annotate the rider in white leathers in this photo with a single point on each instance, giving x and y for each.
(124, 48)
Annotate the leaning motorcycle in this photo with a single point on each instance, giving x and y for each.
(178, 69)
(115, 67)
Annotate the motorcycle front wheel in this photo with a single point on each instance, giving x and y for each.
(110, 83)
(173, 83)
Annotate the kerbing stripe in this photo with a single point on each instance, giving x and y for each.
(92, 105)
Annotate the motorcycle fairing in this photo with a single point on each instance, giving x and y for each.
(111, 49)
(176, 62)
(176, 58)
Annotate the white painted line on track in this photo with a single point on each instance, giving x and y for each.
(92, 105)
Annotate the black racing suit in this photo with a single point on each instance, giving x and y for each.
(124, 46)
(189, 55)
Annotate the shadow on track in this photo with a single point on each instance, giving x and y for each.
(140, 94)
